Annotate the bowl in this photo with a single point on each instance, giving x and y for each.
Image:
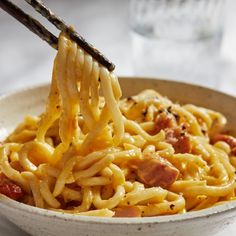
(36, 221)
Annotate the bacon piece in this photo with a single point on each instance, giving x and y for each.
(228, 139)
(164, 121)
(179, 140)
(155, 172)
(9, 188)
(127, 211)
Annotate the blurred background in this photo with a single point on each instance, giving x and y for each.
(186, 40)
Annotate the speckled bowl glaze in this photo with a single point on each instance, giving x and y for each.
(40, 222)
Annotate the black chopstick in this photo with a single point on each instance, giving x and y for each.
(61, 25)
(43, 33)
(32, 24)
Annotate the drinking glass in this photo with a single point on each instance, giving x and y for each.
(177, 39)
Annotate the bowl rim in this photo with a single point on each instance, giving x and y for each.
(6, 202)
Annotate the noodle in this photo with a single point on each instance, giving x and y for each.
(92, 154)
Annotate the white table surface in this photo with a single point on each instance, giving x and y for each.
(25, 60)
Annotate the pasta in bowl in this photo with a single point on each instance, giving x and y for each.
(38, 221)
(92, 154)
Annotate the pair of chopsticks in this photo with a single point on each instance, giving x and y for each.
(34, 26)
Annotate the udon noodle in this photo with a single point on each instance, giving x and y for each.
(93, 153)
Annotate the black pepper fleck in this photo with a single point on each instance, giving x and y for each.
(169, 109)
(172, 206)
(176, 116)
(144, 113)
(203, 131)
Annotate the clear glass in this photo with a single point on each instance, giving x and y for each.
(177, 39)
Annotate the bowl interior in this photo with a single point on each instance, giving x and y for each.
(16, 105)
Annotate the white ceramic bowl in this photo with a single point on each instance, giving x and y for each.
(41, 222)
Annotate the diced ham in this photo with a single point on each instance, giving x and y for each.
(9, 188)
(179, 140)
(155, 172)
(127, 211)
(233, 151)
(163, 121)
(228, 139)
